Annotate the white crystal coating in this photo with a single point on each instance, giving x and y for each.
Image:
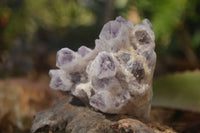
(116, 76)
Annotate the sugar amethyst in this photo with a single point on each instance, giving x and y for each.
(116, 76)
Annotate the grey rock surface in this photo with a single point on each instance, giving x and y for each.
(67, 116)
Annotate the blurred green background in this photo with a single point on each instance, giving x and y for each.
(32, 31)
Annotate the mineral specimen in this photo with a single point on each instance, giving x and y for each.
(116, 76)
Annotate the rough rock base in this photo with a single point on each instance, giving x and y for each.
(70, 116)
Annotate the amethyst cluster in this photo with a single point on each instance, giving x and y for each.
(116, 76)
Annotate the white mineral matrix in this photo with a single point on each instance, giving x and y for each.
(116, 76)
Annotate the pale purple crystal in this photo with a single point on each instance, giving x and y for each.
(64, 57)
(102, 66)
(116, 76)
(83, 51)
(59, 80)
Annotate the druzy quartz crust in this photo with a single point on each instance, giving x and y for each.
(116, 76)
